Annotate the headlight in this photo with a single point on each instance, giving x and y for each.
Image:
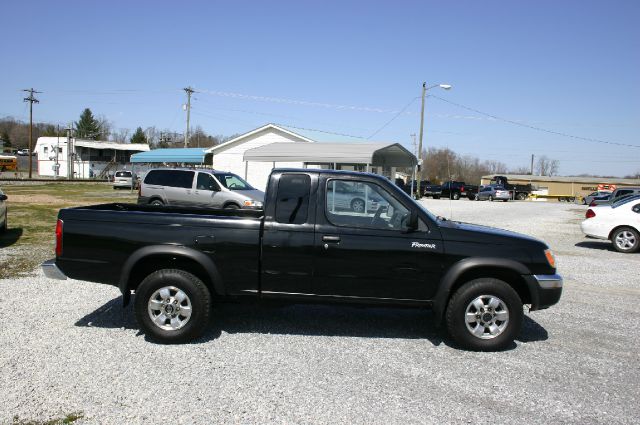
(252, 203)
(551, 259)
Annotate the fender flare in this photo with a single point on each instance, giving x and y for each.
(458, 269)
(174, 250)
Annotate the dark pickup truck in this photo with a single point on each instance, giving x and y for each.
(456, 190)
(308, 245)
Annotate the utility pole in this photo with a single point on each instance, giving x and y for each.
(532, 156)
(424, 91)
(415, 168)
(189, 92)
(31, 99)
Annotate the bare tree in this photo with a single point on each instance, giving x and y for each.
(546, 166)
(106, 127)
(120, 136)
(523, 170)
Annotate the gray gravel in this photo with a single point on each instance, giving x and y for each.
(68, 346)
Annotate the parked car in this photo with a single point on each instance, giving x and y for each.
(298, 249)
(601, 194)
(616, 194)
(456, 190)
(124, 179)
(490, 193)
(352, 197)
(618, 222)
(3, 212)
(198, 188)
(518, 191)
(24, 152)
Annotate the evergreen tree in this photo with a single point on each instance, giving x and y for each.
(139, 136)
(88, 127)
(7, 140)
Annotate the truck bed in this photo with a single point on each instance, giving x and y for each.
(100, 239)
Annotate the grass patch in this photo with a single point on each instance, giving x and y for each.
(32, 219)
(68, 419)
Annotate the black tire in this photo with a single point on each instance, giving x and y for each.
(491, 198)
(199, 300)
(462, 301)
(521, 196)
(357, 205)
(156, 202)
(625, 239)
(455, 196)
(477, 198)
(436, 196)
(505, 200)
(232, 207)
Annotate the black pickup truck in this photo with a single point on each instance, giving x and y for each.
(456, 190)
(308, 245)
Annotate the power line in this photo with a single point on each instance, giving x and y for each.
(532, 127)
(392, 119)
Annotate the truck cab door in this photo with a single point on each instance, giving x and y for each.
(371, 254)
(288, 235)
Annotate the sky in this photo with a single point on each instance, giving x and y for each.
(352, 69)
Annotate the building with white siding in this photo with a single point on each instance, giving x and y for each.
(254, 154)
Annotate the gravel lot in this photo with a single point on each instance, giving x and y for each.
(68, 346)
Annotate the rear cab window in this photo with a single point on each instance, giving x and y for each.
(292, 199)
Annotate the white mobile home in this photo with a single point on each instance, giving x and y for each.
(84, 159)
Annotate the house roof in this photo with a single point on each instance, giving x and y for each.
(94, 144)
(378, 154)
(239, 139)
(185, 155)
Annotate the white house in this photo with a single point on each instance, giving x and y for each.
(253, 155)
(88, 158)
(229, 156)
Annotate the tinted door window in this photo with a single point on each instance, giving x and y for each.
(351, 203)
(292, 203)
(183, 179)
(206, 182)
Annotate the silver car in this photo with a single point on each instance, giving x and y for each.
(3, 212)
(198, 188)
(345, 195)
(493, 193)
(124, 179)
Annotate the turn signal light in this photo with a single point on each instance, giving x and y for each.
(59, 238)
(550, 258)
(590, 213)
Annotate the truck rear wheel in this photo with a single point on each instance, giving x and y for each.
(521, 196)
(172, 306)
(455, 196)
(484, 315)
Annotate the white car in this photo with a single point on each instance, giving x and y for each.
(123, 179)
(618, 222)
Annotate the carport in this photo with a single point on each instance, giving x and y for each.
(172, 156)
(351, 156)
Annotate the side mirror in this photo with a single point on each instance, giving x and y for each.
(3, 197)
(412, 224)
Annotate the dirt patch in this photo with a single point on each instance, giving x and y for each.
(41, 199)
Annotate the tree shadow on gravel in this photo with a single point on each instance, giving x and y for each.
(11, 236)
(601, 245)
(309, 320)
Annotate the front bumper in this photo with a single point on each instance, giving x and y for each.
(52, 271)
(545, 290)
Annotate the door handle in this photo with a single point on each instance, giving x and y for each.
(331, 238)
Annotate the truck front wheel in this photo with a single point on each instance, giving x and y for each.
(172, 306)
(484, 315)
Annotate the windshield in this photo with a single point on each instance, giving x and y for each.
(233, 182)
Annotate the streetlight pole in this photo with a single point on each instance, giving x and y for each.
(424, 91)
